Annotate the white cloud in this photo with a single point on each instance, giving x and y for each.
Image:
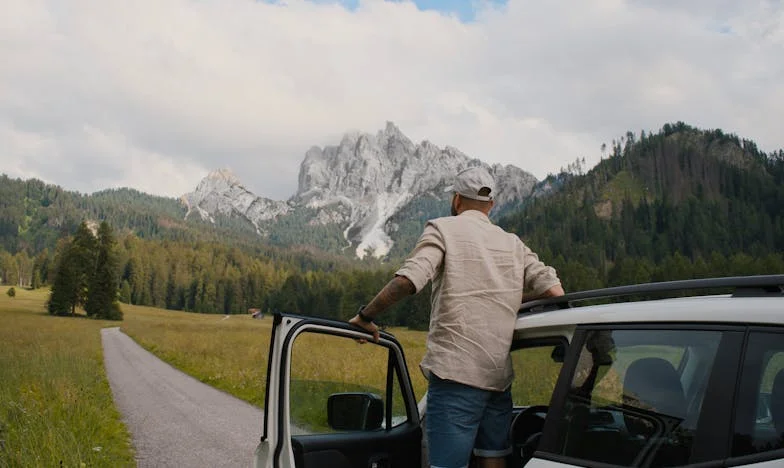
(153, 94)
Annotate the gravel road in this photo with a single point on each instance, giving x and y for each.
(174, 419)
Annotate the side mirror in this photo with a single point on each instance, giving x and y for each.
(355, 411)
(558, 354)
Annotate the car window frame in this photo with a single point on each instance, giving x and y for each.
(709, 438)
(761, 457)
(537, 342)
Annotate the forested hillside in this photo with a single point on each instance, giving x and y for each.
(33, 215)
(679, 203)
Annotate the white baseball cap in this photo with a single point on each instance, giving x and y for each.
(470, 182)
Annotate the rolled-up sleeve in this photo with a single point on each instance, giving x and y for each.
(538, 276)
(426, 258)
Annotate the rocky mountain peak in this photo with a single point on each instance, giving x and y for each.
(221, 192)
(224, 174)
(358, 184)
(217, 181)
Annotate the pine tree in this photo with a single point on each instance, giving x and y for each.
(61, 299)
(102, 292)
(74, 272)
(125, 292)
(83, 256)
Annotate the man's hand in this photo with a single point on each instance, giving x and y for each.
(555, 291)
(368, 326)
(398, 288)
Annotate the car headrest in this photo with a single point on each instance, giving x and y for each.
(653, 384)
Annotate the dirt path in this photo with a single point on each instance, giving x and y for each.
(174, 419)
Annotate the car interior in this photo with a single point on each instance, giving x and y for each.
(765, 427)
(635, 400)
(769, 425)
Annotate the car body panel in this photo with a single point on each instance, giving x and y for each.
(766, 464)
(280, 441)
(707, 309)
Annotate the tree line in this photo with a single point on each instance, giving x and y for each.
(213, 278)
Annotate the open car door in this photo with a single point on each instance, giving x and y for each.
(332, 401)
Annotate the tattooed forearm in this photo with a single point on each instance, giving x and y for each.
(398, 288)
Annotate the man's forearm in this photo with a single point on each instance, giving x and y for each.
(554, 291)
(397, 289)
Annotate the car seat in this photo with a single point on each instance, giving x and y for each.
(654, 405)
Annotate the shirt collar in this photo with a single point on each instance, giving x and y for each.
(476, 215)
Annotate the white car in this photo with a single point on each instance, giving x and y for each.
(688, 381)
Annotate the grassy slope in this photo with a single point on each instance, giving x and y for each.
(56, 406)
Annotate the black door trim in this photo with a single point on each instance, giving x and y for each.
(275, 323)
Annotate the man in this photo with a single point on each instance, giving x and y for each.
(479, 273)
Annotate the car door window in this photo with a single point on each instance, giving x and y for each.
(536, 365)
(636, 395)
(323, 365)
(536, 368)
(759, 417)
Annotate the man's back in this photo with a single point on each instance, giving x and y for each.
(477, 270)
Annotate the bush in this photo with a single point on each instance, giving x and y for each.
(115, 313)
(11, 292)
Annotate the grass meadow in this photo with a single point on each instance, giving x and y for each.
(231, 353)
(56, 406)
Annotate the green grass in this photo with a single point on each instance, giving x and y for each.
(310, 411)
(775, 364)
(231, 353)
(56, 407)
(324, 364)
(55, 402)
(535, 376)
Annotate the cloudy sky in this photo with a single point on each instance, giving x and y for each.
(153, 94)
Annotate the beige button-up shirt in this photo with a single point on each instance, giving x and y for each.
(479, 272)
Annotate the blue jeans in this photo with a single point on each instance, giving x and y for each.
(461, 418)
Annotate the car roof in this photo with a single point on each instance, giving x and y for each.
(723, 309)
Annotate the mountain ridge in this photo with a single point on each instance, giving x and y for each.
(359, 185)
(680, 163)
